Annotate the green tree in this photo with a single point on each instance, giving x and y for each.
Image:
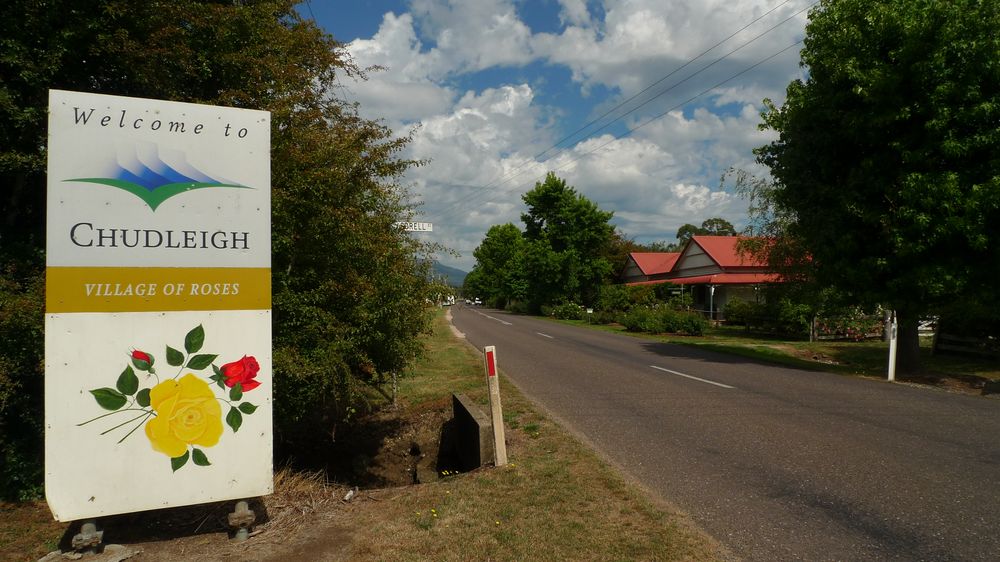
(718, 227)
(618, 249)
(348, 287)
(887, 165)
(500, 265)
(709, 227)
(567, 236)
(661, 246)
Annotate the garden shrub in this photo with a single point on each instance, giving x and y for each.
(568, 311)
(22, 308)
(852, 323)
(612, 297)
(642, 295)
(692, 323)
(517, 307)
(664, 320)
(738, 312)
(604, 317)
(640, 320)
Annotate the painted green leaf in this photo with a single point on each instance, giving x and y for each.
(109, 398)
(201, 361)
(180, 461)
(234, 419)
(127, 383)
(218, 377)
(199, 458)
(142, 398)
(194, 339)
(236, 393)
(248, 408)
(174, 358)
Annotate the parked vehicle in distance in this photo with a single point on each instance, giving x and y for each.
(477, 302)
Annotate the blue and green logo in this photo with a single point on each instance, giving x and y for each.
(158, 182)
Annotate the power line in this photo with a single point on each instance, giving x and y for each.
(515, 172)
(667, 112)
(310, 6)
(446, 211)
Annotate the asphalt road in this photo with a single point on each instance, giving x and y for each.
(775, 463)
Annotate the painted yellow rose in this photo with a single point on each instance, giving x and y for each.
(187, 413)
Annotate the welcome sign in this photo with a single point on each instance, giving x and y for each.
(158, 298)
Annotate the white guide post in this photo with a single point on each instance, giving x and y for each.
(892, 346)
(496, 412)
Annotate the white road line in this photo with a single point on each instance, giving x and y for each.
(505, 323)
(693, 378)
(545, 335)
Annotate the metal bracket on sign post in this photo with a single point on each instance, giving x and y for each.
(240, 520)
(88, 537)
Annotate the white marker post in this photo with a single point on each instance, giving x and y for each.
(892, 346)
(496, 412)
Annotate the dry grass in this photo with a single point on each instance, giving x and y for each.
(298, 496)
(556, 500)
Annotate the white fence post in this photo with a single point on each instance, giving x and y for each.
(892, 346)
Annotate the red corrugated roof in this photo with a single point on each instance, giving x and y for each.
(728, 279)
(718, 279)
(722, 249)
(653, 263)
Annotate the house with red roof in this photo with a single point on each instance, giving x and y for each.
(648, 266)
(711, 268)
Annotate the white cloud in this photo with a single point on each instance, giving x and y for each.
(481, 154)
(640, 41)
(471, 36)
(574, 12)
(481, 143)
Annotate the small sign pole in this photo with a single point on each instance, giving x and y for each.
(496, 412)
(893, 326)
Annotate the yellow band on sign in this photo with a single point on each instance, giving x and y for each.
(156, 289)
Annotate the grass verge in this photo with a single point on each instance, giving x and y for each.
(555, 500)
(867, 358)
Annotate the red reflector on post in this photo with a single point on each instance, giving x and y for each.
(491, 365)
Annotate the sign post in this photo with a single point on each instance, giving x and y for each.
(893, 328)
(158, 305)
(496, 412)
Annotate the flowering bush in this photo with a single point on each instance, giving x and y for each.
(182, 413)
(568, 311)
(851, 324)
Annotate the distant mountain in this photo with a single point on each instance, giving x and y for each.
(454, 277)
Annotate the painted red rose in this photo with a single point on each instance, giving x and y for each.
(142, 360)
(243, 372)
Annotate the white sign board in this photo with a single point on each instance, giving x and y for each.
(417, 226)
(158, 305)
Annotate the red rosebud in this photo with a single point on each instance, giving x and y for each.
(242, 372)
(142, 360)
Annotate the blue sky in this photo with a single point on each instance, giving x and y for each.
(489, 88)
